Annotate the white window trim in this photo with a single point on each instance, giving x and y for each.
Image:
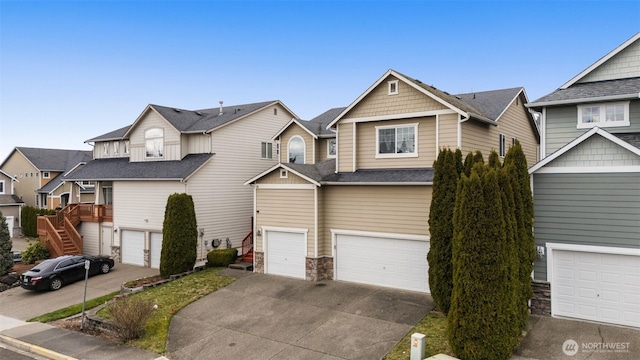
(329, 156)
(46, 174)
(284, 174)
(126, 146)
(603, 123)
(116, 147)
(392, 87)
(265, 146)
(304, 147)
(105, 148)
(502, 145)
(396, 155)
(2, 187)
(151, 138)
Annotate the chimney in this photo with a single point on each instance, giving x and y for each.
(220, 107)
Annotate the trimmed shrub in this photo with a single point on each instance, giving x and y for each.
(34, 252)
(445, 179)
(6, 255)
(222, 257)
(129, 316)
(29, 216)
(479, 323)
(179, 236)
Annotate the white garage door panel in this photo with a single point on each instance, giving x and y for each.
(286, 254)
(396, 263)
(133, 247)
(156, 249)
(596, 286)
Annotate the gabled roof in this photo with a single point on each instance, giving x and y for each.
(463, 104)
(52, 185)
(194, 121)
(316, 127)
(9, 176)
(593, 131)
(121, 169)
(323, 173)
(608, 90)
(111, 136)
(53, 159)
(601, 61)
(9, 200)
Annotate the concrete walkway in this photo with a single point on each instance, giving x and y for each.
(270, 317)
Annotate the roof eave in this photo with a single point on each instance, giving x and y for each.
(583, 100)
(410, 183)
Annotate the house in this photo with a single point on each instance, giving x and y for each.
(40, 173)
(360, 214)
(586, 193)
(10, 204)
(205, 153)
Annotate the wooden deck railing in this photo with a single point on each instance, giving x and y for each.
(74, 235)
(52, 239)
(247, 242)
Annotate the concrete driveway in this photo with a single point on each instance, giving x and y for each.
(268, 317)
(22, 304)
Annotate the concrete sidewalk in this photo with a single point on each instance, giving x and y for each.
(57, 343)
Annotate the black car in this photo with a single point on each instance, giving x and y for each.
(53, 273)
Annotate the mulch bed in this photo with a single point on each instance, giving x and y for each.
(12, 279)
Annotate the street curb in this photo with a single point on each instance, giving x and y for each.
(35, 349)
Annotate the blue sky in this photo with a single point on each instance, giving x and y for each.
(70, 71)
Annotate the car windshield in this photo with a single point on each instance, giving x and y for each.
(45, 265)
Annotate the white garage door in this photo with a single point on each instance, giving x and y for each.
(285, 254)
(133, 247)
(156, 249)
(596, 286)
(396, 263)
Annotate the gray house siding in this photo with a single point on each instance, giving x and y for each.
(563, 129)
(588, 209)
(596, 151)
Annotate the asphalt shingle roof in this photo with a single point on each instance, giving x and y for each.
(631, 138)
(122, 169)
(10, 200)
(594, 89)
(113, 135)
(490, 103)
(318, 125)
(55, 159)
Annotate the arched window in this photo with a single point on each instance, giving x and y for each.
(154, 142)
(296, 150)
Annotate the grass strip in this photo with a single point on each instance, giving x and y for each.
(73, 309)
(434, 326)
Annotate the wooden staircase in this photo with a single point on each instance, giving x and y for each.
(245, 260)
(68, 246)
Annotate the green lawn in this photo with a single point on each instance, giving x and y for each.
(74, 309)
(434, 326)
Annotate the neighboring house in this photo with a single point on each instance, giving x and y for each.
(207, 154)
(39, 173)
(587, 193)
(361, 215)
(10, 204)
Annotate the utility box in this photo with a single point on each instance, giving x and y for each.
(417, 346)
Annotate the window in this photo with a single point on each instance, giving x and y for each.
(46, 174)
(502, 145)
(107, 194)
(126, 146)
(154, 139)
(275, 111)
(513, 141)
(397, 141)
(393, 87)
(331, 148)
(116, 147)
(1, 186)
(296, 150)
(284, 174)
(603, 115)
(267, 150)
(105, 148)
(278, 148)
(20, 175)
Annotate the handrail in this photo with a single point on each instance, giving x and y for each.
(73, 235)
(54, 242)
(247, 242)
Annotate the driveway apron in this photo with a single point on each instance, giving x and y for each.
(270, 317)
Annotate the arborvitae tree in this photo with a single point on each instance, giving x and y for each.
(179, 236)
(478, 158)
(468, 164)
(6, 255)
(494, 160)
(29, 220)
(445, 181)
(479, 320)
(516, 163)
(459, 164)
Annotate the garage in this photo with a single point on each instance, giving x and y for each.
(285, 253)
(156, 249)
(133, 247)
(399, 263)
(603, 287)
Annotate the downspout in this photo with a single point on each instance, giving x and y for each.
(543, 134)
(315, 222)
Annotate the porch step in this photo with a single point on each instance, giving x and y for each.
(242, 265)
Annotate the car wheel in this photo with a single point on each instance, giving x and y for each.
(105, 268)
(55, 284)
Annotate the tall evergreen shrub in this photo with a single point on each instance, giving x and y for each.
(179, 236)
(6, 255)
(29, 220)
(479, 323)
(445, 179)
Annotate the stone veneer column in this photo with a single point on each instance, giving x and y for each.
(115, 253)
(259, 259)
(147, 258)
(541, 301)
